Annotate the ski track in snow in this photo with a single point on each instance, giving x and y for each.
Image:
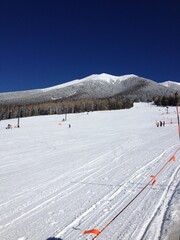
(102, 204)
(109, 198)
(158, 214)
(64, 181)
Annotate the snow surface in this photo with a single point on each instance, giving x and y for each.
(56, 181)
(95, 77)
(173, 216)
(169, 83)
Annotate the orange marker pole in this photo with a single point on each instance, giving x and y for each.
(154, 179)
(172, 158)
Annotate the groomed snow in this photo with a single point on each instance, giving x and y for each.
(56, 181)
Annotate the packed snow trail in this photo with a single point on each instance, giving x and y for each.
(151, 182)
(117, 203)
(56, 181)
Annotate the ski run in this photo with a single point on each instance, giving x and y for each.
(61, 178)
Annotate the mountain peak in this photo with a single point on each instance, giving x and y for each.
(108, 77)
(104, 77)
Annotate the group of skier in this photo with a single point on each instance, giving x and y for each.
(160, 123)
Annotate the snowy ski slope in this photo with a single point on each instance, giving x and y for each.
(56, 182)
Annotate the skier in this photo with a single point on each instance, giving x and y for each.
(9, 126)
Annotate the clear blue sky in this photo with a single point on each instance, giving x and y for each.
(47, 42)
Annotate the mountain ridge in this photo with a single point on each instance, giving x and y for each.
(94, 77)
(171, 84)
(92, 87)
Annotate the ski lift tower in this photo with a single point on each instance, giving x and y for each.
(66, 113)
(167, 109)
(18, 117)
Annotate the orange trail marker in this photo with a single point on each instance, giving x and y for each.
(95, 231)
(153, 182)
(172, 158)
(154, 179)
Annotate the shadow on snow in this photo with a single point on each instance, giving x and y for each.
(54, 238)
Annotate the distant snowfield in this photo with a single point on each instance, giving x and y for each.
(56, 182)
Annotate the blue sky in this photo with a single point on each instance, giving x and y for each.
(47, 42)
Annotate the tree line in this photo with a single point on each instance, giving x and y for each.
(164, 101)
(8, 111)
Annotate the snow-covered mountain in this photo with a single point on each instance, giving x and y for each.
(94, 86)
(172, 85)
